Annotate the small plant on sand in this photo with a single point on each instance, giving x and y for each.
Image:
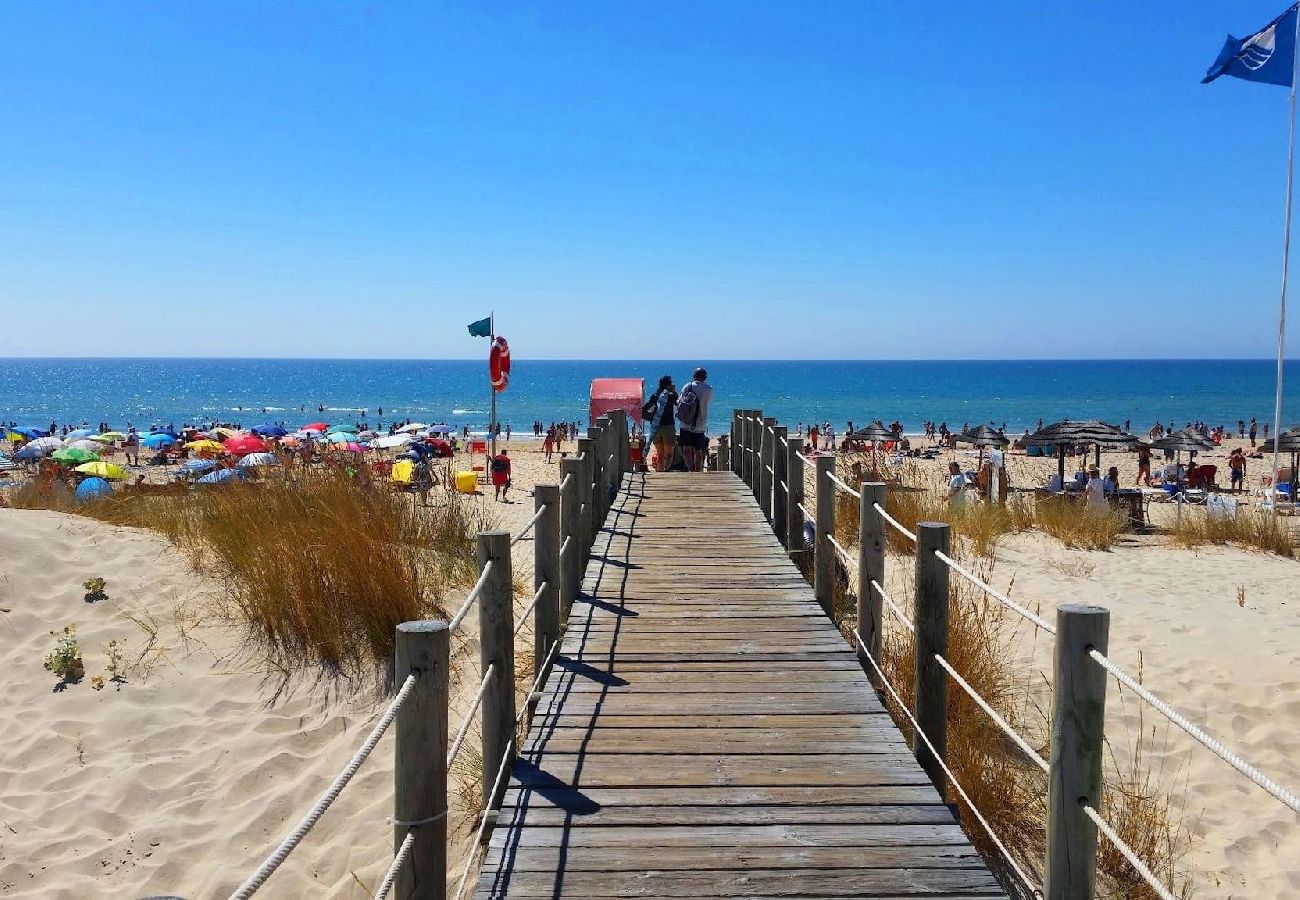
(95, 589)
(115, 666)
(65, 659)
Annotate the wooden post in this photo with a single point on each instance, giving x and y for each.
(742, 444)
(751, 444)
(871, 567)
(756, 453)
(1078, 726)
(546, 571)
(724, 453)
(596, 433)
(420, 757)
(496, 635)
(767, 452)
(736, 441)
(824, 553)
(587, 453)
(931, 681)
(570, 568)
(622, 443)
(780, 518)
(794, 478)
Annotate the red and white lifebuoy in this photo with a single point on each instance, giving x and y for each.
(499, 364)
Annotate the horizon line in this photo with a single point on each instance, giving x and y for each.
(594, 359)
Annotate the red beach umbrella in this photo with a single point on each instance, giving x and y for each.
(316, 426)
(243, 444)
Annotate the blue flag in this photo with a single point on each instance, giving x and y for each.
(481, 328)
(1268, 55)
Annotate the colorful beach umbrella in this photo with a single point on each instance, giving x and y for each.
(78, 433)
(91, 488)
(391, 441)
(221, 476)
(23, 433)
(270, 429)
(440, 429)
(46, 444)
(243, 444)
(157, 440)
(223, 432)
(103, 470)
(259, 459)
(29, 453)
(84, 444)
(316, 426)
(205, 444)
(108, 437)
(74, 455)
(413, 427)
(340, 437)
(198, 466)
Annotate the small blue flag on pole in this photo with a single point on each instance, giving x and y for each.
(1268, 55)
(481, 328)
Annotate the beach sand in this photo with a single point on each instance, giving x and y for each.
(202, 755)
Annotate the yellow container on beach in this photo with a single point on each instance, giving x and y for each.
(466, 482)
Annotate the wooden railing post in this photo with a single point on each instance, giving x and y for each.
(724, 453)
(751, 445)
(622, 443)
(931, 681)
(570, 568)
(587, 534)
(794, 478)
(420, 757)
(596, 434)
(871, 567)
(779, 517)
(737, 443)
(824, 553)
(766, 453)
(546, 571)
(496, 635)
(1078, 732)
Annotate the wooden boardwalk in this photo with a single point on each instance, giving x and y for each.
(707, 732)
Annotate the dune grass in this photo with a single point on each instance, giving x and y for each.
(1254, 531)
(322, 568)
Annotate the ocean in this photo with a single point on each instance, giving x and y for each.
(142, 392)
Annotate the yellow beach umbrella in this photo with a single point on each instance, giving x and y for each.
(205, 444)
(225, 432)
(103, 470)
(108, 437)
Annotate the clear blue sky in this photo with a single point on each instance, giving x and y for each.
(839, 180)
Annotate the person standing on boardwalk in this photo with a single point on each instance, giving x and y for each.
(692, 412)
(658, 416)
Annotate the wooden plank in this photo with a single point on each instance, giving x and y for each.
(669, 859)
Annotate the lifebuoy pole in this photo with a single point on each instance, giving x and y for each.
(492, 423)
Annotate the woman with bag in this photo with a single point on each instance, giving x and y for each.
(658, 416)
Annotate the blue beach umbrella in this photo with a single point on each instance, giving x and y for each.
(92, 488)
(198, 466)
(29, 452)
(270, 429)
(220, 477)
(341, 437)
(78, 433)
(157, 440)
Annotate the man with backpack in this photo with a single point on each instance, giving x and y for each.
(693, 413)
(501, 475)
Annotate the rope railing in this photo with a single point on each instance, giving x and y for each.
(470, 598)
(1278, 792)
(1023, 612)
(523, 616)
(893, 607)
(844, 485)
(938, 758)
(399, 860)
(528, 526)
(469, 716)
(485, 816)
(894, 523)
(326, 800)
(807, 515)
(1127, 852)
(992, 714)
(846, 557)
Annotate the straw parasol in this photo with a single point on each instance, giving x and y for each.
(1287, 442)
(874, 433)
(1183, 441)
(1072, 431)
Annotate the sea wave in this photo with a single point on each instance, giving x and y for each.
(467, 412)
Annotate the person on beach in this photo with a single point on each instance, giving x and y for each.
(1254, 430)
(1095, 490)
(1111, 481)
(692, 412)
(1144, 466)
(956, 484)
(501, 476)
(1237, 466)
(548, 443)
(659, 423)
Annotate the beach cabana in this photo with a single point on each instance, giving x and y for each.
(609, 394)
(876, 434)
(1070, 432)
(1287, 442)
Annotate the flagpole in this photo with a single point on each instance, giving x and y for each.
(492, 339)
(1286, 265)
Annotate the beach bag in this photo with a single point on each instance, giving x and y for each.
(650, 407)
(679, 460)
(688, 407)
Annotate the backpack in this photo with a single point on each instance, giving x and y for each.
(688, 406)
(650, 407)
(498, 464)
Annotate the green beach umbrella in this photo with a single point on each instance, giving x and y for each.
(74, 455)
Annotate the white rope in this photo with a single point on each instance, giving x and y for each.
(897, 610)
(921, 735)
(537, 682)
(281, 853)
(523, 616)
(564, 547)
(849, 561)
(1127, 852)
(565, 481)
(805, 459)
(769, 469)
(1277, 791)
(807, 515)
(470, 598)
(843, 485)
(484, 817)
(528, 526)
(994, 593)
(390, 877)
(993, 714)
(469, 716)
(898, 526)
(785, 487)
